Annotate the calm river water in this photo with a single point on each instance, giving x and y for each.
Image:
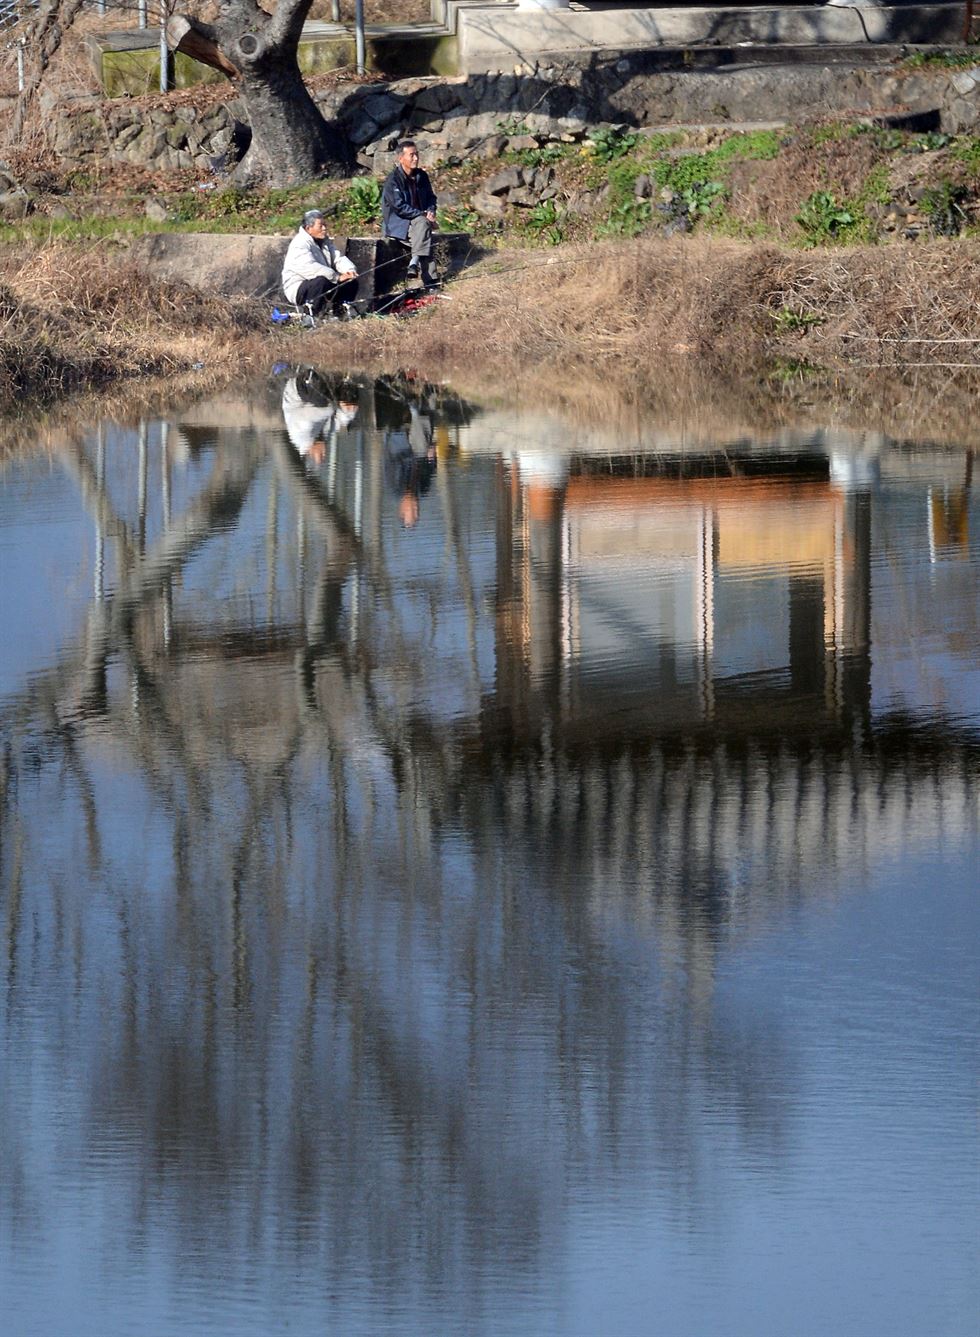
(465, 872)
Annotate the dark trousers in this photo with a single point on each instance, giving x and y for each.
(322, 294)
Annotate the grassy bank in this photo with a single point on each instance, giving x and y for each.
(645, 317)
(810, 185)
(77, 318)
(625, 306)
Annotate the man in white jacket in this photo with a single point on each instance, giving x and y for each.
(313, 272)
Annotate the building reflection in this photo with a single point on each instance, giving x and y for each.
(370, 848)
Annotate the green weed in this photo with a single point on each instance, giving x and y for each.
(944, 60)
(786, 319)
(966, 149)
(830, 134)
(545, 221)
(607, 144)
(877, 186)
(823, 219)
(545, 156)
(627, 219)
(362, 202)
(459, 218)
(929, 142)
(751, 145)
(943, 205)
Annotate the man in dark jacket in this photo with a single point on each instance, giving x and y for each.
(408, 209)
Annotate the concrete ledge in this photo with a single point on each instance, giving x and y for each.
(249, 265)
(499, 37)
(231, 265)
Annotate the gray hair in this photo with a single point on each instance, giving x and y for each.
(311, 216)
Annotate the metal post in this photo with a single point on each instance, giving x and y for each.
(164, 53)
(20, 66)
(335, 11)
(359, 35)
(141, 10)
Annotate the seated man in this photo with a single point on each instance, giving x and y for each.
(408, 209)
(313, 273)
(410, 463)
(312, 415)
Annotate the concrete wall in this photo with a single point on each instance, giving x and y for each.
(498, 37)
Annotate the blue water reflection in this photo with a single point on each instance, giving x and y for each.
(463, 871)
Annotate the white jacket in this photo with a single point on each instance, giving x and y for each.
(306, 422)
(305, 259)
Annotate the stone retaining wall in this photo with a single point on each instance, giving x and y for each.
(473, 117)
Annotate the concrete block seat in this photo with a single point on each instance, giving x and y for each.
(382, 262)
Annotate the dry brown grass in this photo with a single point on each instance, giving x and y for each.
(629, 307)
(73, 317)
(770, 192)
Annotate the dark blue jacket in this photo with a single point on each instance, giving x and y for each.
(403, 199)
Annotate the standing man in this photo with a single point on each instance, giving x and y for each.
(408, 209)
(313, 272)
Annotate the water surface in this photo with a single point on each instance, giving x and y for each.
(464, 871)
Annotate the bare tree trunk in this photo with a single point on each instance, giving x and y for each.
(291, 142)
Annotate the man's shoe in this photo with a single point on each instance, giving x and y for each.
(414, 269)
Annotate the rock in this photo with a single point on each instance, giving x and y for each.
(156, 211)
(126, 135)
(438, 98)
(15, 205)
(488, 206)
(642, 187)
(384, 109)
(511, 178)
(363, 131)
(408, 88)
(519, 143)
(581, 202)
(176, 135)
(966, 80)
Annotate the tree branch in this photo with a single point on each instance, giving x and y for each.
(200, 42)
(288, 19)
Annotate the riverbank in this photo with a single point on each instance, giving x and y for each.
(645, 317)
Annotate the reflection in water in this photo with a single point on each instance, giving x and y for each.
(453, 888)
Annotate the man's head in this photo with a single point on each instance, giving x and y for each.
(408, 156)
(315, 224)
(408, 509)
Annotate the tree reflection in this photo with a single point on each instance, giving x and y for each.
(312, 950)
